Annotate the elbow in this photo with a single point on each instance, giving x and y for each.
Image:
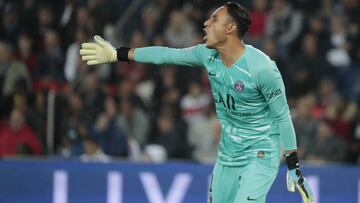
(162, 57)
(283, 118)
(283, 115)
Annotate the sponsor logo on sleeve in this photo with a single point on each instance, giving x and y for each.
(273, 94)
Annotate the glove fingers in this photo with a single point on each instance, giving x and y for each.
(88, 57)
(89, 45)
(92, 62)
(291, 187)
(87, 52)
(290, 183)
(100, 40)
(309, 191)
(303, 194)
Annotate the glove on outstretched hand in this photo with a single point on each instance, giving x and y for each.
(98, 52)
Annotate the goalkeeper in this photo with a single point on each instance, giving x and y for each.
(250, 103)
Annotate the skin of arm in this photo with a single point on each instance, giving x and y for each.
(131, 54)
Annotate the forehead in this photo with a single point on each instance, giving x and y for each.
(221, 12)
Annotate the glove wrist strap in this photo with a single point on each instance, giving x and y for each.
(122, 53)
(292, 161)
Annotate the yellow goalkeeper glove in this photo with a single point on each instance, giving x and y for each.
(294, 178)
(98, 52)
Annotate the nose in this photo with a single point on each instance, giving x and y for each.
(206, 23)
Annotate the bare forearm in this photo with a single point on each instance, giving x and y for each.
(131, 54)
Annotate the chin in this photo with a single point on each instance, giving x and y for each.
(209, 45)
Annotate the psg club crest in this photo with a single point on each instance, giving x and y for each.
(239, 86)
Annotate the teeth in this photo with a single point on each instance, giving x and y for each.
(205, 34)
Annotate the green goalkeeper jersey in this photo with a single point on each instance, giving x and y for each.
(249, 97)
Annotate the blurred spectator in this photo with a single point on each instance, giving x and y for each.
(309, 66)
(92, 94)
(36, 116)
(51, 60)
(85, 20)
(169, 136)
(338, 56)
(150, 20)
(180, 31)
(25, 53)
(93, 152)
(341, 115)
(167, 81)
(45, 22)
(28, 17)
(317, 27)
(194, 104)
(310, 57)
(67, 23)
(10, 27)
(16, 137)
(351, 10)
(133, 121)
(73, 64)
(145, 90)
(300, 84)
(75, 123)
(284, 23)
(20, 99)
(305, 124)
(170, 100)
(327, 146)
(204, 137)
(110, 137)
(258, 15)
(11, 71)
(126, 91)
(326, 95)
(103, 12)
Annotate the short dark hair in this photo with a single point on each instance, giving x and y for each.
(241, 17)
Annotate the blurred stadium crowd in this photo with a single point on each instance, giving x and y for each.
(152, 113)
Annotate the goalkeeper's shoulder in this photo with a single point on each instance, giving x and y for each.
(203, 52)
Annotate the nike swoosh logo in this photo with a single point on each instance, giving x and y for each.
(250, 199)
(212, 73)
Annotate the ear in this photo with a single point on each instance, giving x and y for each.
(231, 27)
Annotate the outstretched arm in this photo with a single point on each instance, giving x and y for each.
(101, 51)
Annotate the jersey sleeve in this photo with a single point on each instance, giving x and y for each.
(192, 56)
(272, 87)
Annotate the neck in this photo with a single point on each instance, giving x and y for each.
(231, 51)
